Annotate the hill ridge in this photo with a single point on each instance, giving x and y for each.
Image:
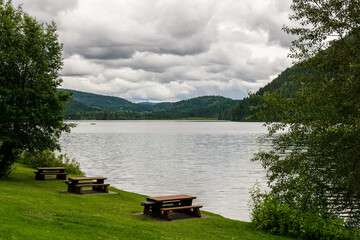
(86, 105)
(96, 106)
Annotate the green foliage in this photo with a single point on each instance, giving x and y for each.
(108, 103)
(49, 159)
(97, 107)
(242, 111)
(31, 108)
(314, 166)
(271, 214)
(247, 108)
(206, 106)
(74, 106)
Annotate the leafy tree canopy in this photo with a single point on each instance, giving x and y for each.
(315, 164)
(31, 107)
(282, 84)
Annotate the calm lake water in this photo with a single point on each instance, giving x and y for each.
(207, 159)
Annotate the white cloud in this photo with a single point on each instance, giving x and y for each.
(167, 50)
(78, 66)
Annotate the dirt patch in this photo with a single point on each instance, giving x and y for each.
(89, 192)
(175, 216)
(37, 214)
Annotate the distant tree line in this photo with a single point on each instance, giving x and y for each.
(201, 107)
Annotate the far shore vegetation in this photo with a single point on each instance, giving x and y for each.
(90, 106)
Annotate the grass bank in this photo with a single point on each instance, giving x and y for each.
(32, 209)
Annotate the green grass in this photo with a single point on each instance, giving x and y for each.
(32, 209)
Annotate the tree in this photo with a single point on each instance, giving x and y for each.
(315, 165)
(31, 108)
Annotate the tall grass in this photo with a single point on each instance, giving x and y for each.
(49, 159)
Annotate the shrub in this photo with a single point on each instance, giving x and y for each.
(49, 159)
(271, 214)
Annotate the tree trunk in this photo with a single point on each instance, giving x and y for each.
(6, 158)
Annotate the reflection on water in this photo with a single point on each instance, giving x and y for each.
(210, 160)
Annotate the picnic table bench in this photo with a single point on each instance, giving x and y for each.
(76, 184)
(163, 205)
(43, 171)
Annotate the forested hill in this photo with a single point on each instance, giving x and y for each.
(202, 107)
(96, 107)
(281, 84)
(101, 102)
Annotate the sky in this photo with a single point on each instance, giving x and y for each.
(168, 50)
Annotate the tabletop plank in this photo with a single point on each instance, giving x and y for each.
(86, 178)
(51, 168)
(171, 198)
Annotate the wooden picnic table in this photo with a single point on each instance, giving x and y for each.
(43, 171)
(75, 184)
(162, 206)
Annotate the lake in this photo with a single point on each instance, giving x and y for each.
(207, 159)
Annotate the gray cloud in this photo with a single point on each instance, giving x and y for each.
(167, 50)
(183, 19)
(103, 52)
(46, 10)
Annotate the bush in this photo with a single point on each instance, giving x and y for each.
(49, 159)
(315, 227)
(271, 214)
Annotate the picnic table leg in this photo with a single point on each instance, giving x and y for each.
(193, 212)
(166, 215)
(197, 212)
(147, 210)
(62, 177)
(71, 187)
(78, 190)
(156, 210)
(104, 189)
(39, 176)
(100, 188)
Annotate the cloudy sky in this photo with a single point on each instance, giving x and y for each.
(168, 50)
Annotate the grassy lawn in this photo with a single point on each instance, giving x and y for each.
(32, 209)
